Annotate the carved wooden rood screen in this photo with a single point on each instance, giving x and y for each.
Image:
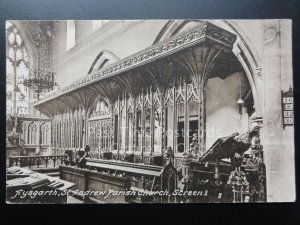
(132, 110)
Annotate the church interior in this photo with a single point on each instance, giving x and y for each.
(149, 111)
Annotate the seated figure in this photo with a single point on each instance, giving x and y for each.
(81, 161)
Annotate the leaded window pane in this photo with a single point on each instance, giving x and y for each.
(17, 71)
(18, 54)
(11, 53)
(11, 38)
(18, 40)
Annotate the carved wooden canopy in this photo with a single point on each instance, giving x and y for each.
(193, 52)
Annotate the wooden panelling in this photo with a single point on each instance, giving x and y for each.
(137, 159)
(87, 180)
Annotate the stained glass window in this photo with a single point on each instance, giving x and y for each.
(17, 70)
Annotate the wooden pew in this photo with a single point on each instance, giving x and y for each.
(137, 182)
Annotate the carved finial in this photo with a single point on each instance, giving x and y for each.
(169, 152)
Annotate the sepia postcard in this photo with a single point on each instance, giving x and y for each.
(149, 111)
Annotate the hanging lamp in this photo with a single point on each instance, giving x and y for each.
(240, 101)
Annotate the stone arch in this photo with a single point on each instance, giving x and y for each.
(243, 49)
(103, 59)
(44, 133)
(32, 133)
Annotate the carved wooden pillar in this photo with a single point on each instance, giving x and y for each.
(76, 127)
(63, 121)
(151, 121)
(86, 126)
(100, 136)
(143, 124)
(80, 128)
(68, 129)
(60, 131)
(112, 125)
(72, 129)
(201, 119)
(164, 128)
(202, 139)
(126, 124)
(56, 131)
(162, 122)
(119, 125)
(186, 118)
(83, 126)
(133, 123)
(174, 120)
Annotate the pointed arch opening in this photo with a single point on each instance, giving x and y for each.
(103, 59)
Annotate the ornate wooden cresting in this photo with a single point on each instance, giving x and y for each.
(206, 32)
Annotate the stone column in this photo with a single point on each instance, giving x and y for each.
(277, 143)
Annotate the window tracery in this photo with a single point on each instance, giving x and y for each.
(17, 68)
(32, 132)
(44, 133)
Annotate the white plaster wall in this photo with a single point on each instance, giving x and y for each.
(222, 112)
(122, 39)
(278, 142)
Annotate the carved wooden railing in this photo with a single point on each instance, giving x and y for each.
(47, 161)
